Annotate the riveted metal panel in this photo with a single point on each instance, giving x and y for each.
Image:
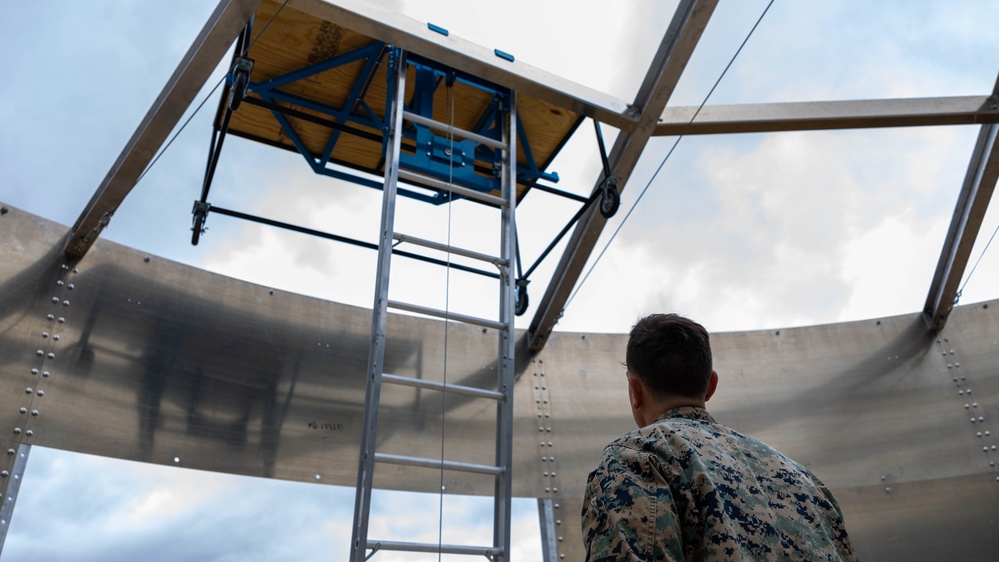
(165, 363)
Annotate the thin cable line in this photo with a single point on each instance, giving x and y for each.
(200, 105)
(179, 131)
(978, 261)
(668, 154)
(447, 309)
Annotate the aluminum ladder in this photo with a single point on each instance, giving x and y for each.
(362, 547)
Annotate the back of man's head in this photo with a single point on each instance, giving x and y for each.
(671, 355)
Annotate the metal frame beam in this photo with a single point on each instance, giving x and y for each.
(674, 52)
(973, 202)
(9, 496)
(209, 47)
(549, 545)
(805, 116)
(394, 28)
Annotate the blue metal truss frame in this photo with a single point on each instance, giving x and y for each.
(356, 111)
(358, 118)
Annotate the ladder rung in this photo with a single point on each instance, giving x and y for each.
(439, 464)
(445, 128)
(444, 186)
(433, 548)
(451, 249)
(447, 315)
(434, 385)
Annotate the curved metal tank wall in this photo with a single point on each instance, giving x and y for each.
(131, 356)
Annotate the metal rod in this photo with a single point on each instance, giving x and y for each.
(216, 151)
(452, 130)
(435, 548)
(352, 241)
(564, 231)
(559, 192)
(447, 315)
(242, 45)
(297, 114)
(457, 189)
(603, 149)
(439, 464)
(450, 249)
(452, 388)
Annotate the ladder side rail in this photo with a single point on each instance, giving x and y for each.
(376, 350)
(505, 370)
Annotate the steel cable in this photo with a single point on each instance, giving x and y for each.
(661, 164)
(202, 104)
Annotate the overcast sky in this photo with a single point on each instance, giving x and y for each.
(740, 232)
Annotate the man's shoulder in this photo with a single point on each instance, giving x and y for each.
(661, 441)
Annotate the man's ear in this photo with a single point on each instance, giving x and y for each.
(636, 392)
(712, 385)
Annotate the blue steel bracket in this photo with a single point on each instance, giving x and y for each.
(448, 160)
(443, 157)
(463, 162)
(354, 110)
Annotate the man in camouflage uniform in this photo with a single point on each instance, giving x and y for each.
(684, 487)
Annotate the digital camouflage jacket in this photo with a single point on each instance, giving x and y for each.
(689, 488)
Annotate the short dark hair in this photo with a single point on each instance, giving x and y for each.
(671, 355)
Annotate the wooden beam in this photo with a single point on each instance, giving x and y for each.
(674, 52)
(211, 44)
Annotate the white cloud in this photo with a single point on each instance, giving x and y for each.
(739, 232)
(783, 229)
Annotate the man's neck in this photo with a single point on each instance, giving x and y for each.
(655, 410)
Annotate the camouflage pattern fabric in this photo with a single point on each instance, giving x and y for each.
(689, 488)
